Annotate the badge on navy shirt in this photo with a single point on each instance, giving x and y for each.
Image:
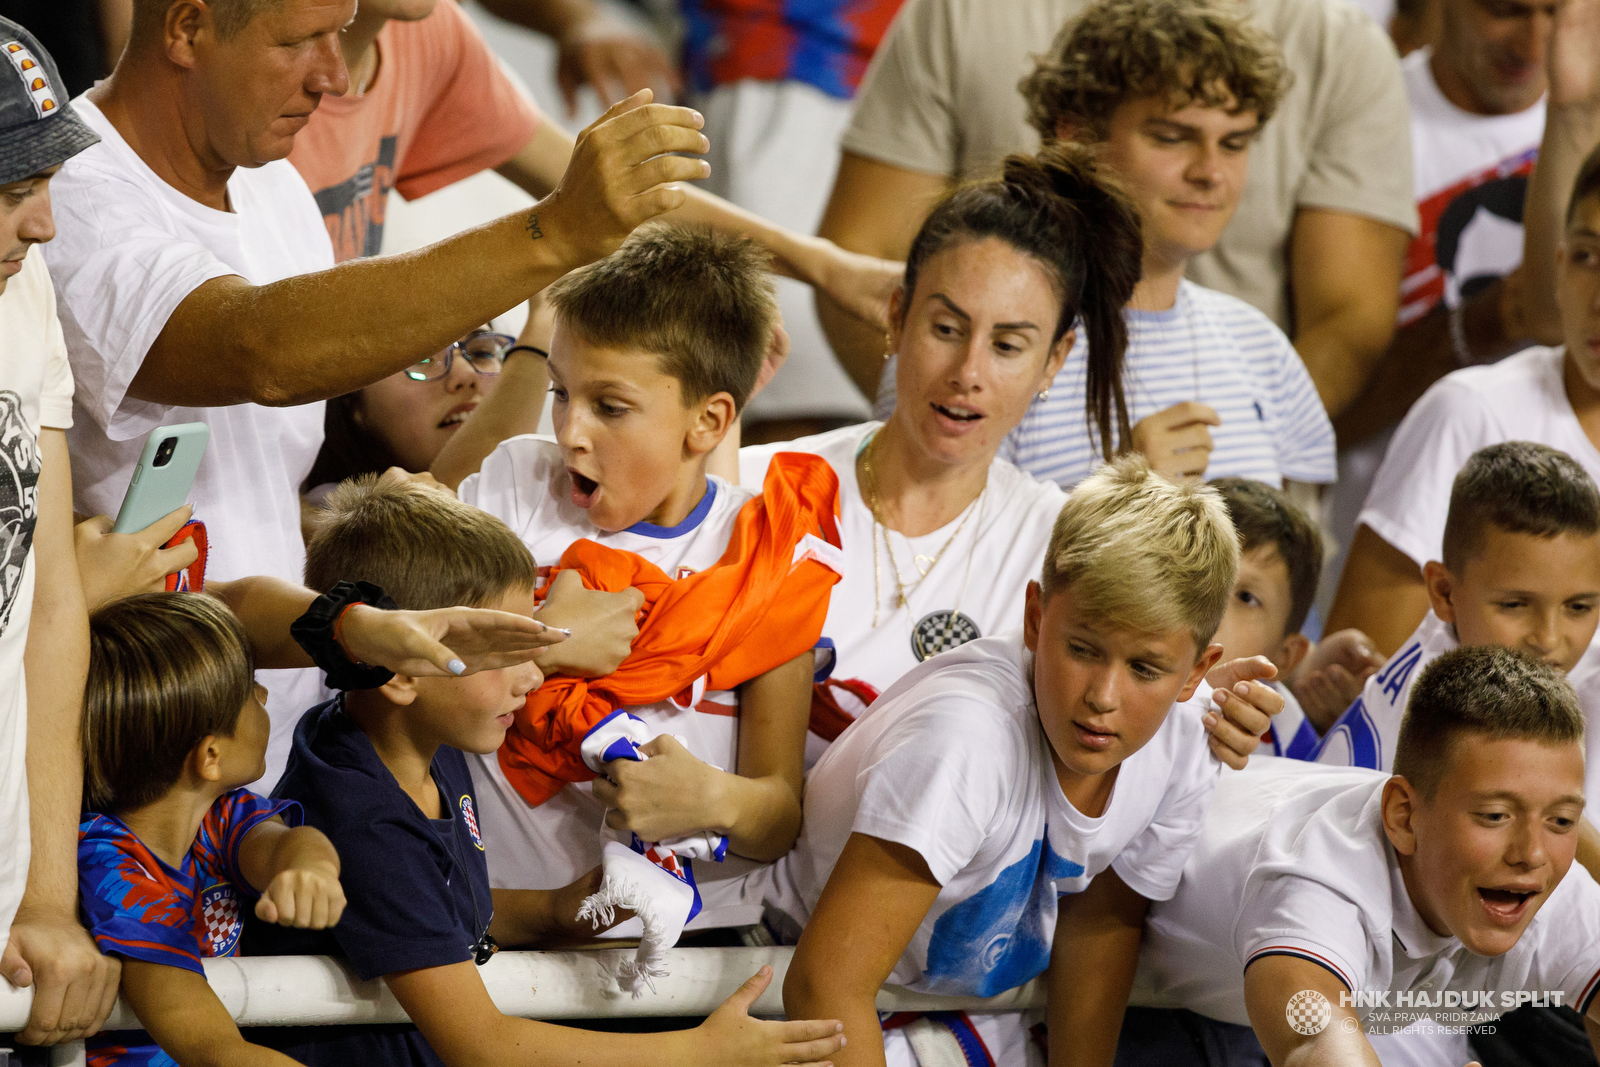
(471, 818)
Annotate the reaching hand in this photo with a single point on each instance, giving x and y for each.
(116, 565)
(302, 897)
(74, 986)
(736, 1040)
(620, 176)
(1333, 674)
(1247, 708)
(445, 641)
(1177, 441)
(615, 59)
(1573, 63)
(665, 796)
(567, 928)
(860, 284)
(777, 355)
(603, 625)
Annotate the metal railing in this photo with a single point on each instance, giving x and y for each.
(319, 991)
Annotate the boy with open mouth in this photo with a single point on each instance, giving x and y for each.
(1425, 889)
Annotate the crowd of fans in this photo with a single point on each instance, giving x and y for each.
(1204, 618)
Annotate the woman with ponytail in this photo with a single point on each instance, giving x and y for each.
(1169, 96)
(941, 535)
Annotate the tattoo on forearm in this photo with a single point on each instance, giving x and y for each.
(532, 227)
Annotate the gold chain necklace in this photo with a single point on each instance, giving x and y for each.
(901, 592)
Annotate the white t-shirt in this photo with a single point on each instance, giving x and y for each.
(1521, 398)
(1209, 347)
(1293, 861)
(1366, 733)
(129, 249)
(953, 764)
(983, 573)
(1471, 177)
(1291, 733)
(1470, 173)
(35, 392)
(525, 484)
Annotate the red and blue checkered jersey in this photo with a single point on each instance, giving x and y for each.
(136, 906)
(824, 43)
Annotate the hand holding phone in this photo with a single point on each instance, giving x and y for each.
(116, 565)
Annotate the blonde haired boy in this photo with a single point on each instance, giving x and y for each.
(1064, 758)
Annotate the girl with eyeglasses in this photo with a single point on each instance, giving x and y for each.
(406, 419)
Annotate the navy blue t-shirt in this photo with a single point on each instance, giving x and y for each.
(417, 889)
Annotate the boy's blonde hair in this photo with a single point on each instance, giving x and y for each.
(166, 671)
(1144, 554)
(425, 548)
(702, 301)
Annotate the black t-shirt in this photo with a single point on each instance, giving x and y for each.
(417, 889)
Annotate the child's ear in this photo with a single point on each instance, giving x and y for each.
(401, 690)
(1291, 653)
(206, 759)
(1440, 584)
(711, 423)
(1033, 616)
(1202, 667)
(1400, 804)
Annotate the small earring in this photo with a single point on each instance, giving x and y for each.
(1044, 394)
(887, 355)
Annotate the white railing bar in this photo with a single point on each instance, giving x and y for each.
(319, 991)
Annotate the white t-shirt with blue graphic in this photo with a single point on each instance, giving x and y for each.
(1366, 734)
(952, 763)
(1208, 347)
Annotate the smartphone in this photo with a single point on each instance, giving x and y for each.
(164, 476)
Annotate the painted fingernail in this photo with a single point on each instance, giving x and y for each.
(560, 630)
(457, 667)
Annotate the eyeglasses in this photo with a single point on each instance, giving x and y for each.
(486, 351)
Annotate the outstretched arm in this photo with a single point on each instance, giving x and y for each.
(296, 871)
(446, 641)
(875, 209)
(179, 1009)
(452, 1009)
(320, 335)
(876, 897)
(1269, 983)
(1098, 933)
(858, 284)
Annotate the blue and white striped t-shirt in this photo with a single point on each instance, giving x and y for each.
(1209, 347)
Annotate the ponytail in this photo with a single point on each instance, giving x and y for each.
(1057, 208)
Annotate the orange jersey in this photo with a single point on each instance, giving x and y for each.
(761, 605)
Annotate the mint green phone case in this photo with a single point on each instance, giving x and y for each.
(164, 476)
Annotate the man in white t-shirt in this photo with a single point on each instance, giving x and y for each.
(186, 237)
(1478, 284)
(1449, 887)
(942, 826)
(44, 630)
(1329, 184)
(1547, 395)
